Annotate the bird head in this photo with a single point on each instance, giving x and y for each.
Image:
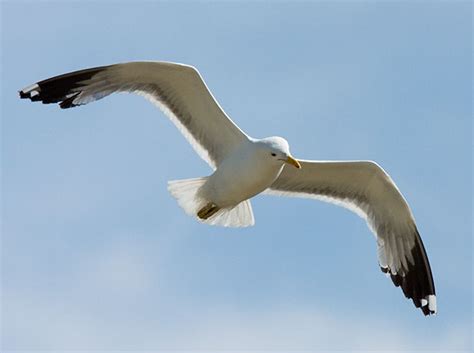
(278, 150)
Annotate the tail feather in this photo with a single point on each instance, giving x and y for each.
(187, 193)
(237, 216)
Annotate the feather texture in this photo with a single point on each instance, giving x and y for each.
(178, 90)
(365, 188)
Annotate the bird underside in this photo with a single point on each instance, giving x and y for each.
(187, 193)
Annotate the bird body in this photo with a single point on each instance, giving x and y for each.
(251, 168)
(244, 167)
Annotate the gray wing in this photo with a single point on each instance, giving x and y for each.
(178, 90)
(365, 188)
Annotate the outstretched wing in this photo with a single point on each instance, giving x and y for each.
(365, 188)
(178, 90)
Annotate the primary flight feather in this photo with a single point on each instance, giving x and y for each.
(244, 166)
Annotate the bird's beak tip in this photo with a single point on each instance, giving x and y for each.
(293, 162)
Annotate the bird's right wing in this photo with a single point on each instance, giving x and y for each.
(365, 188)
(178, 90)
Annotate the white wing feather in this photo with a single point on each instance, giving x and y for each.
(365, 188)
(178, 90)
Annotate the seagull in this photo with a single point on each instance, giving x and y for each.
(244, 166)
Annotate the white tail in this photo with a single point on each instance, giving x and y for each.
(237, 216)
(186, 192)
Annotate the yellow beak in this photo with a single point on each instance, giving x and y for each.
(293, 162)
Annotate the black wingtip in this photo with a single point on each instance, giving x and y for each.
(426, 310)
(23, 95)
(417, 281)
(62, 89)
(69, 102)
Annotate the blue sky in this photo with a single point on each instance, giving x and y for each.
(96, 255)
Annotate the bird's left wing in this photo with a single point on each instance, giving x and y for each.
(365, 188)
(177, 89)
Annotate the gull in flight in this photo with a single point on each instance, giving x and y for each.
(244, 166)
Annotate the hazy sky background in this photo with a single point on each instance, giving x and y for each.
(96, 255)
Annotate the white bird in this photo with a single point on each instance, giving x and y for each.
(244, 166)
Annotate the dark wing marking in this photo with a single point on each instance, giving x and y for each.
(365, 188)
(178, 90)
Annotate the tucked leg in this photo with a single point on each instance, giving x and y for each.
(208, 210)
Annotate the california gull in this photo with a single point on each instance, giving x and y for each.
(244, 166)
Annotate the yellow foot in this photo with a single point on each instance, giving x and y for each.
(208, 210)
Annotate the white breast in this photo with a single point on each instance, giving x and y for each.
(245, 173)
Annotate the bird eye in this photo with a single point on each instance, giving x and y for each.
(273, 154)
